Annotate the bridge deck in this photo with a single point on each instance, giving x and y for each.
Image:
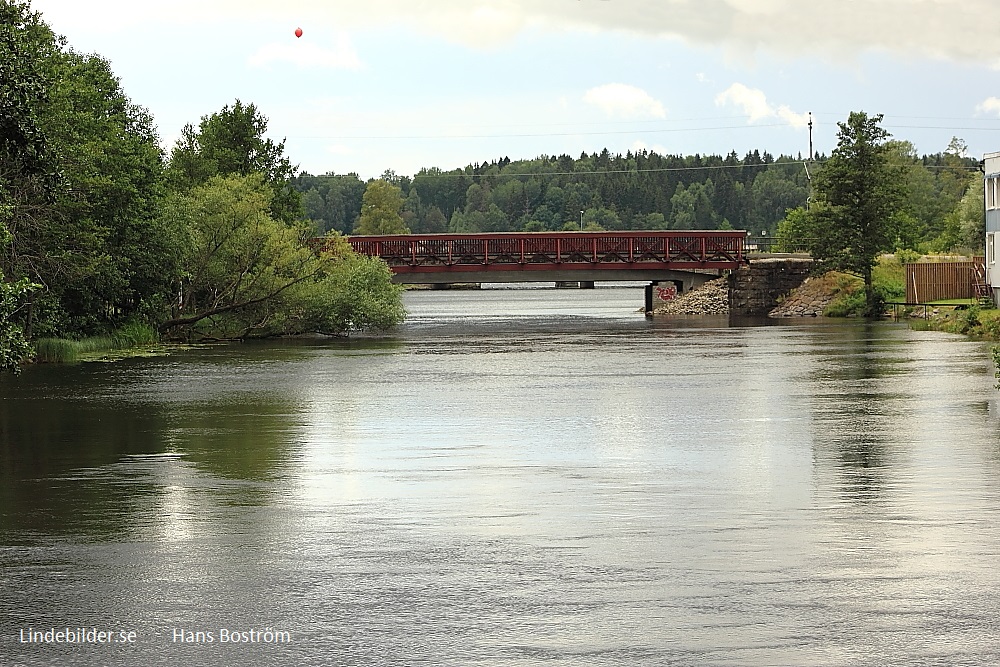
(556, 252)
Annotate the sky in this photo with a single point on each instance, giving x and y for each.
(376, 85)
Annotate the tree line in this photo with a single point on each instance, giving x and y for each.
(641, 190)
(100, 229)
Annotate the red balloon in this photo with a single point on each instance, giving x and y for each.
(298, 32)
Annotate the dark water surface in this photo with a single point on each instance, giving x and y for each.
(517, 477)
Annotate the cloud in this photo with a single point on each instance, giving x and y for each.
(951, 29)
(991, 105)
(308, 54)
(619, 99)
(753, 102)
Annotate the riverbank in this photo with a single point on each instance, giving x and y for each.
(816, 296)
(973, 321)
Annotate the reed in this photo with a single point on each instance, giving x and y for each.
(56, 351)
(65, 351)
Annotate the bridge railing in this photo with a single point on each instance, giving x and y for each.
(513, 250)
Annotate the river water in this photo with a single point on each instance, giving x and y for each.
(515, 477)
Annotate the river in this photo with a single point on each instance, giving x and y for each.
(514, 477)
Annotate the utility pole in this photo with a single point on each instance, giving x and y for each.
(810, 136)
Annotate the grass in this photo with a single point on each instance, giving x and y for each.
(65, 351)
(888, 277)
(973, 321)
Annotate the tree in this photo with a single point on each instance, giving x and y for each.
(794, 232)
(969, 217)
(332, 201)
(434, 221)
(239, 259)
(248, 275)
(357, 294)
(861, 195)
(232, 141)
(14, 347)
(81, 177)
(380, 210)
(113, 165)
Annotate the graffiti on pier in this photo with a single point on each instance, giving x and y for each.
(666, 292)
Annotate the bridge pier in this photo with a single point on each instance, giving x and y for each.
(660, 292)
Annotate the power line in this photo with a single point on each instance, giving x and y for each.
(647, 131)
(544, 134)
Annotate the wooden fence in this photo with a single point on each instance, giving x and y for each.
(937, 281)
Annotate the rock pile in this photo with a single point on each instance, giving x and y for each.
(809, 300)
(711, 298)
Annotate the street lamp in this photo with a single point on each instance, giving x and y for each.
(581, 221)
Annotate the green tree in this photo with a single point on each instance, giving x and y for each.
(113, 165)
(795, 231)
(968, 220)
(381, 209)
(357, 294)
(29, 171)
(231, 141)
(682, 208)
(597, 219)
(434, 221)
(27, 49)
(80, 174)
(239, 260)
(861, 195)
(14, 347)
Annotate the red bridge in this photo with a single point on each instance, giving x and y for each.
(679, 256)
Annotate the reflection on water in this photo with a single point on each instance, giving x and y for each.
(516, 477)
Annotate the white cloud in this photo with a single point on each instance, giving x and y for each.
(991, 105)
(619, 99)
(753, 103)
(935, 28)
(308, 54)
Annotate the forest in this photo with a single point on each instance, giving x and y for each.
(646, 190)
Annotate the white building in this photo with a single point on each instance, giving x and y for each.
(991, 169)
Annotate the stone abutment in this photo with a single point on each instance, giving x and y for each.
(756, 289)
